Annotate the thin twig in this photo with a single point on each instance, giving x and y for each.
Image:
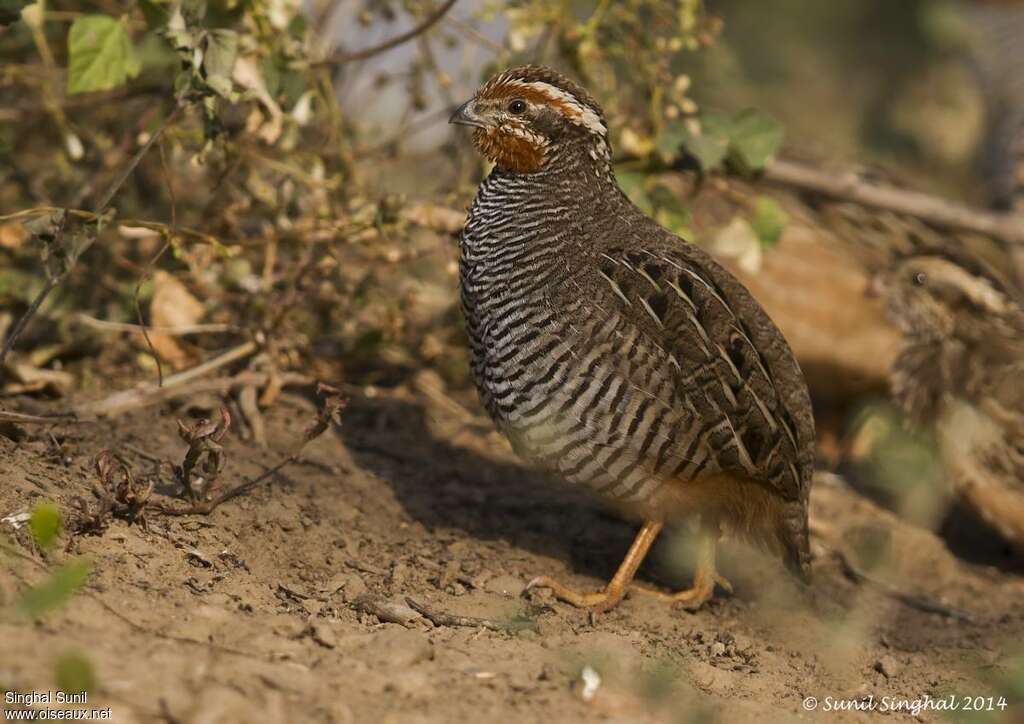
(919, 603)
(848, 186)
(129, 400)
(232, 355)
(85, 100)
(389, 611)
(149, 394)
(182, 331)
(22, 418)
(119, 181)
(91, 216)
(148, 271)
(426, 24)
(446, 619)
(475, 35)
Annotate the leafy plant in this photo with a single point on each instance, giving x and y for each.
(44, 523)
(769, 220)
(747, 140)
(60, 585)
(100, 55)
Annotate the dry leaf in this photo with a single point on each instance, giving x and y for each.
(12, 235)
(247, 74)
(172, 306)
(22, 378)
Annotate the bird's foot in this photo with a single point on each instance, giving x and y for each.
(692, 598)
(596, 601)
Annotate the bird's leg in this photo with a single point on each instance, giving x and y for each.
(601, 601)
(704, 579)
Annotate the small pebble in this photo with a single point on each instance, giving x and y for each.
(323, 634)
(505, 585)
(888, 666)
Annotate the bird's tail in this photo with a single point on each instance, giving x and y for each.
(793, 537)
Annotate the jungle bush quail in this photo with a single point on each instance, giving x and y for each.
(616, 355)
(960, 371)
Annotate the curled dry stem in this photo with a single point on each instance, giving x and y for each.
(207, 435)
(117, 493)
(204, 460)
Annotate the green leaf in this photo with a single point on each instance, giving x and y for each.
(44, 522)
(711, 145)
(100, 55)
(271, 75)
(297, 26)
(769, 220)
(219, 61)
(155, 53)
(673, 137)
(755, 138)
(74, 673)
(55, 590)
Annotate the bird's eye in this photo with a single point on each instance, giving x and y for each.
(919, 279)
(517, 106)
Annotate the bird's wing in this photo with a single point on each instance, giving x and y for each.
(726, 359)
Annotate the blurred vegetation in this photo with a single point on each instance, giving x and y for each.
(262, 194)
(865, 80)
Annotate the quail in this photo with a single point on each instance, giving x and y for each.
(617, 356)
(959, 371)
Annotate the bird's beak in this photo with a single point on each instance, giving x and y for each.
(464, 116)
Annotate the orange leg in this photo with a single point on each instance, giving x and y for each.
(601, 601)
(704, 578)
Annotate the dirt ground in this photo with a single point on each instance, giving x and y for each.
(257, 612)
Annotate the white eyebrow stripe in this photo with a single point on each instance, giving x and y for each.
(582, 115)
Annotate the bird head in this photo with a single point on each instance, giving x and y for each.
(522, 117)
(929, 294)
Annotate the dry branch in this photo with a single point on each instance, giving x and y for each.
(446, 619)
(933, 210)
(425, 24)
(129, 400)
(150, 394)
(22, 418)
(389, 611)
(182, 331)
